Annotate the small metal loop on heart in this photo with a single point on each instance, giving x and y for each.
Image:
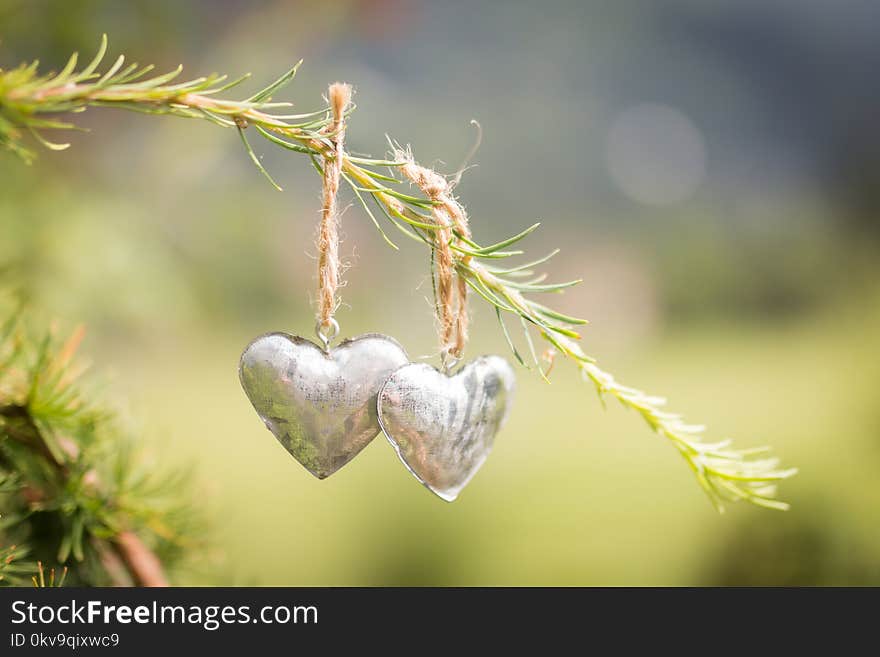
(443, 427)
(319, 403)
(448, 361)
(327, 333)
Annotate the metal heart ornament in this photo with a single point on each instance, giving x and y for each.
(320, 405)
(442, 426)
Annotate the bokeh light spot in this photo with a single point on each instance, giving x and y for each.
(655, 154)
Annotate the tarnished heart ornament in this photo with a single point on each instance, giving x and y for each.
(320, 405)
(441, 426)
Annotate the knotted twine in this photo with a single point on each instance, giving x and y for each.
(339, 96)
(451, 287)
(447, 213)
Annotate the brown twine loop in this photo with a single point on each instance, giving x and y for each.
(339, 96)
(451, 287)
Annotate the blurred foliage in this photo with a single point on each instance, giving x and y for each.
(806, 548)
(73, 490)
(777, 273)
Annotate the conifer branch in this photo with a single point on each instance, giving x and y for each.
(29, 102)
(72, 490)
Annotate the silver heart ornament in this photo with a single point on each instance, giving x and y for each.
(441, 426)
(320, 405)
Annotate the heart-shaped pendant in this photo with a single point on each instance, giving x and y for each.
(441, 426)
(320, 404)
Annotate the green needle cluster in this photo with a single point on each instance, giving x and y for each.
(74, 491)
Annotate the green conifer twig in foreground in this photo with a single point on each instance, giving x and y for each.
(29, 101)
(73, 492)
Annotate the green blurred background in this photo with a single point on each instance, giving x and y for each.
(710, 168)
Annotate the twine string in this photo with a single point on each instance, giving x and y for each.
(339, 96)
(447, 212)
(451, 287)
